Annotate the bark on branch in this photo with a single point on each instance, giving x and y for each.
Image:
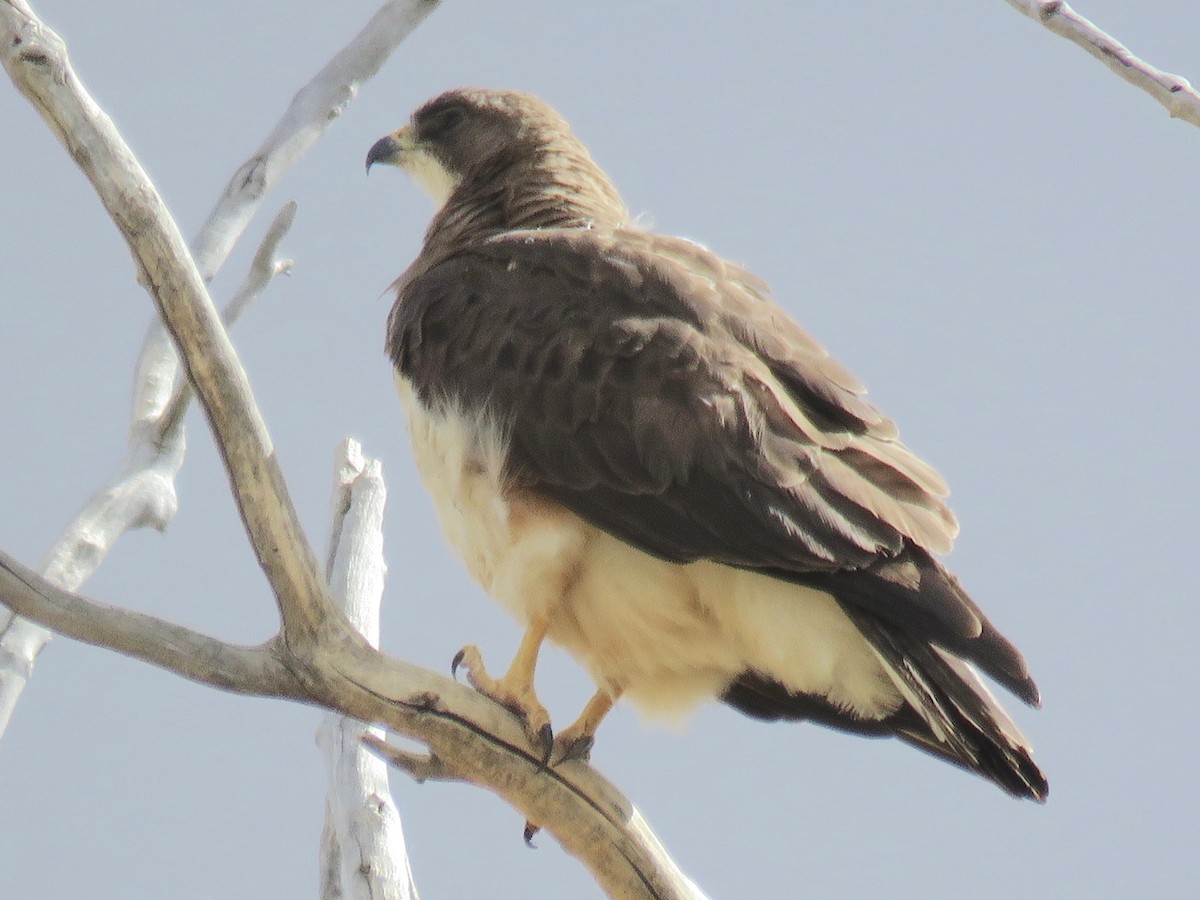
(318, 657)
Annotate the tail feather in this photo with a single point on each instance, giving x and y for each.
(948, 711)
(957, 718)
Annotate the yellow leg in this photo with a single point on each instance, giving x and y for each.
(519, 677)
(515, 689)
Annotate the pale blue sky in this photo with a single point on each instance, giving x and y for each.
(990, 229)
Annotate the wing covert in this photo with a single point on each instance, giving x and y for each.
(628, 399)
(658, 393)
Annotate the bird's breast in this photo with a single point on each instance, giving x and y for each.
(522, 549)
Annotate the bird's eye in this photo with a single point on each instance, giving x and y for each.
(442, 121)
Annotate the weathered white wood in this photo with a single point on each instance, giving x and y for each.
(362, 840)
(312, 110)
(1173, 91)
(470, 738)
(142, 493)
(264, 267)
(329, 861)
(318, 657)
(260, 671)
(35, 58)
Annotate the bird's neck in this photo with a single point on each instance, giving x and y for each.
(552, 188)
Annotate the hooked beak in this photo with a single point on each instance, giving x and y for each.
(391, 150)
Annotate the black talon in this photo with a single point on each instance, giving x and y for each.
(545, 741)
(456, 662)
(530, 831)
(579, 749)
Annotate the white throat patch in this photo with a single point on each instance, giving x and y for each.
(432, 176)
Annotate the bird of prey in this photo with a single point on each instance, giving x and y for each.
(643, 459)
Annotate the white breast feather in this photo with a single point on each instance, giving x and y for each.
(669, 635)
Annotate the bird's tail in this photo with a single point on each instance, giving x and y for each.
(948, 711)
(951, 713)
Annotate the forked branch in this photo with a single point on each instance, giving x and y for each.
(142, 494)
(318, 657)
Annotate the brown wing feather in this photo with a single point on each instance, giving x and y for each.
(655, 390)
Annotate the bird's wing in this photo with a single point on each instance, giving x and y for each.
(655, 391)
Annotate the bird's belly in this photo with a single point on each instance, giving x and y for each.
(667, 635)
(523, 551)
(673, 635)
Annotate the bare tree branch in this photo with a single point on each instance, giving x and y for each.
(244, 670)
(470, 737)
(263, 268)
(1173, 91)
(311, 111)
(314, 107)
(362, 844)
(35, 58)
(140, 495)
(318, 657)
(143, 493)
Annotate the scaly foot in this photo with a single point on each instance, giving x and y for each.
(572, 744)
(576, 741)
(519, 699)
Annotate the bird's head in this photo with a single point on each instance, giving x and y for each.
(459, 133)
(520, 163)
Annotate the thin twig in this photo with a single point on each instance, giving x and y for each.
(421, 767)
(314, 107)
(1173, 91)
(263, 268)
(141, 495)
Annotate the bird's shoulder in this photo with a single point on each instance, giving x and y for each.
(635, 361)
(628, 283)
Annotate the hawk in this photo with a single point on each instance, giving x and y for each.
(643, 459)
